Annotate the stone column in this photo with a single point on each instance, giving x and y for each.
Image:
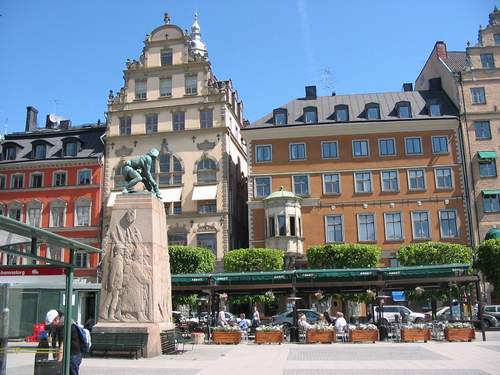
(136, 284)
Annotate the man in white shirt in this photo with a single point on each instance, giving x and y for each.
(221, 318)
(340, 323)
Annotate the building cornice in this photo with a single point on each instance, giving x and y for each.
(350, 128)
(216, 129)
(42, 164)
(146, 71)
(67, 187)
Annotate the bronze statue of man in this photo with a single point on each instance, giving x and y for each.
(138, 170)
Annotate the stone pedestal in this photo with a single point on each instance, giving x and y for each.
(136, 284)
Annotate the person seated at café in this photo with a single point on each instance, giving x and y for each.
(243, 323)
(340, 323)
(328, 318)
(303, 324)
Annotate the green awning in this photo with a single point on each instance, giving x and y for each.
(332, 274)
(202, 279)
(423, 271)
(487, 155)
(279, 277)
(491, 191)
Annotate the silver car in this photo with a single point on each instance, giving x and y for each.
(287, 317)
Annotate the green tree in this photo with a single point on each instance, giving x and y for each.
(253, 260)
(190, 259)
(348, 255)
(432, 253)
(488, 261)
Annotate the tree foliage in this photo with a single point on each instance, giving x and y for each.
(429, 253)
(190, 259)
(253, 260)
(488, 261)
(349, 255)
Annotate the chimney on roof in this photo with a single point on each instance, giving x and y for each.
(31, 115)
(408, 86)
(334, 93)
(441, 50)
(310, 92)
(50, 122)
(65, 124)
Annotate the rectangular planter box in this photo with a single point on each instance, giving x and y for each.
(415, 334)
(363, 335)
(225, 337)
(459, 334)
(269, 337)
(324, 337)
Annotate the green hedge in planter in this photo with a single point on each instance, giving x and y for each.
(429, 253)
(253, 260)
(190, 259)
(488, 261)
(349, 255)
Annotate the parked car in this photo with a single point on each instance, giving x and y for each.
(287, 317)
(493, 310)
(489, 320)
(390, 313)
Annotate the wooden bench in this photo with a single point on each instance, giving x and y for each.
(119, 342)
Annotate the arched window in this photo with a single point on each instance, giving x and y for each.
(34, 213)
(170, 170)
(206, 170)
(57, 213)
(15, 210)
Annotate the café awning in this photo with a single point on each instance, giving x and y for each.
(484, 155)
(205, 192)
(170, 195)
(491, 192)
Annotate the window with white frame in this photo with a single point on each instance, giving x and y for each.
(444, 178)
(263, 153)
(177, 238)
(389, 180)
(487, 61)
(281, 225)
(70, 148)
(360, 148)
(207, 207)
(387, 147)
(81, 259)
(166, 87)
(9, 152)
(39, 150)
(57, 213)
(206, 170)
(416, 179)
(166, 56)
(125, 125)
(59, 179)
(448, 223)
(329, 150)
(372, 111)
(36, 180)
(363, 182)
(191, 85)
(482, 130)
(262, 187)
(491, 202)
(297, 151)
(280, 116)
(435, 109)
(366, 227)
(440, 145)
(34, 213)
(55, 253)
(477, 95)
(334, 228)
(301, 185)
(206, 118)
(393, 226)
(271, 229)
(140, 90)
(84, 177)
(15, 211)
(151, 123)
(82, 213)
(2, 182)
(420, 224)
(207, 241)
(17, 181)
(341, 113)
(487, 168)
(170, 170)
(178, 120)
(331, 183)
(310, 115)
(404, 110)
(413, 146)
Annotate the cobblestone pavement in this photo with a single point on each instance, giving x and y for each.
(475, 358)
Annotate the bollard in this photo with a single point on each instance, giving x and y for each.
(4, 339)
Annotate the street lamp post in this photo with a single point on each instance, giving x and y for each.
(294, 329)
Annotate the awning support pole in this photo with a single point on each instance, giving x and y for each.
(68, 321)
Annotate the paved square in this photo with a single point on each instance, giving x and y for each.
(382, 372)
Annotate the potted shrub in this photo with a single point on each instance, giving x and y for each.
(226, 335)
(415, 332)
(268, 335)
(459, 332)
(363, 333)
(320, 333)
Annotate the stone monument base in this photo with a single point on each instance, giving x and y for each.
(153, 346)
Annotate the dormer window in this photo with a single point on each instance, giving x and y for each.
(280, 116)
(341, 113)
(70, 149)
(310, 115)
(435, 109)
(191, 85)
(140, 90)
(9, 153)
(372, 111)
(166, 56)
(39, 151)
(403, 109)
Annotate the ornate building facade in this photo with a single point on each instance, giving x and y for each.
(471, 79)
(171, 100)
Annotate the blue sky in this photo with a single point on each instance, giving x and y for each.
(64, 56)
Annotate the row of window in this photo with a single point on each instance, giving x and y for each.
(341, 112)
(360, 148)
(205, 240)
(363, 182)
(203, 207)
(81, 259)
(281, 225)
(57, 214)
(178, 122)
(190, 87)
(59, 178)
(39, 150)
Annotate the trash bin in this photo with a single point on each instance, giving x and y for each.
(383, 332)
(48, 367)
